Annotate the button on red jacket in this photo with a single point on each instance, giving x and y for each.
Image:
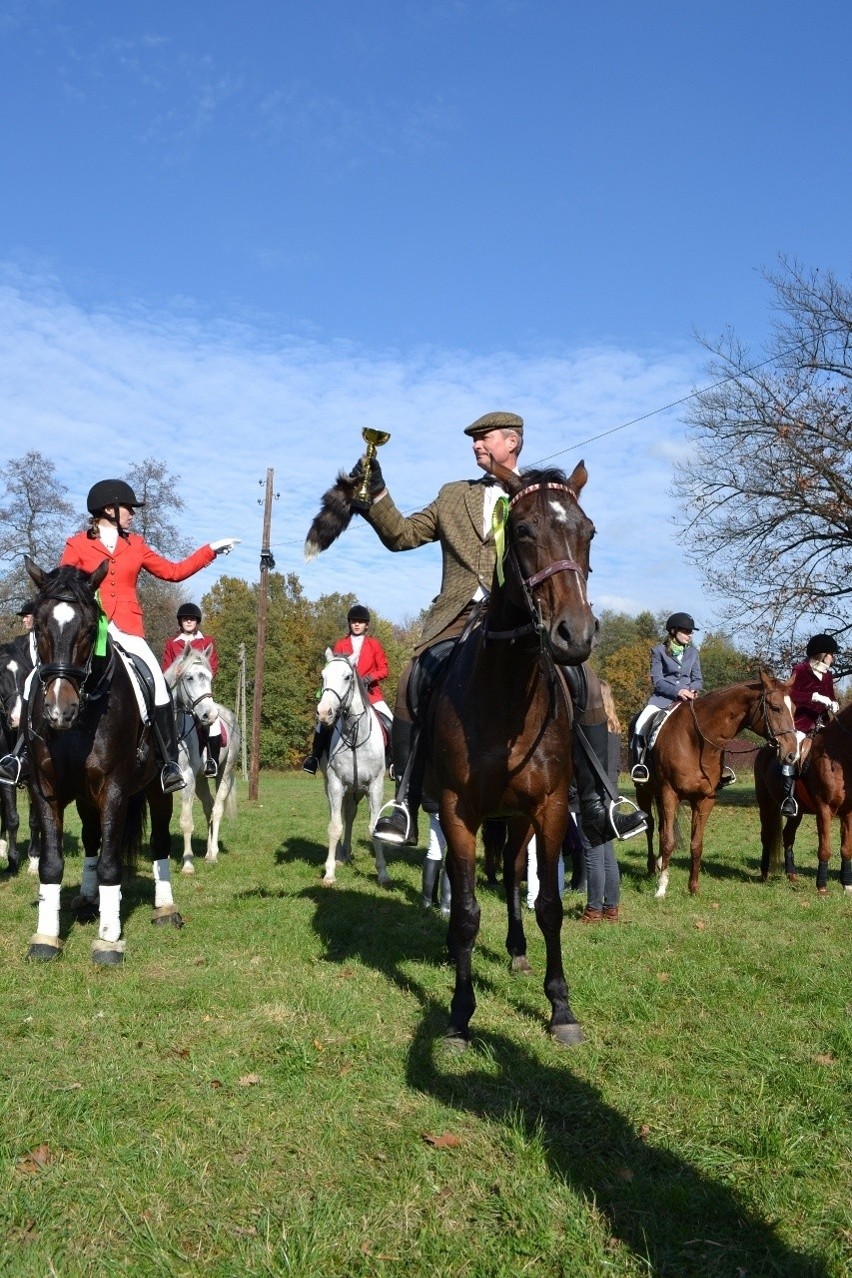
(118, 588)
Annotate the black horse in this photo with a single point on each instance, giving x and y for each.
(15, 665)
(500, 727)
(87, 742)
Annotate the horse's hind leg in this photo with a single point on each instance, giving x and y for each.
(375, 797)
(11, 822)
(667, 814)
(823, 821)
(160, 807)
(700, 814)
(86, 905)
(846, 852)
(186, 820)
(514, 856)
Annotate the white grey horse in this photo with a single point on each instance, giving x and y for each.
(191, 681)
(356, 761)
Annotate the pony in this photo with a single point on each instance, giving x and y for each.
(190, 678)
(499, 727)
(15, 665)
(685, 761)
(356, 761)
(87, 741)
(824, 788)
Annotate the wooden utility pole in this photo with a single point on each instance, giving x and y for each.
(240, 708)
(267, 562)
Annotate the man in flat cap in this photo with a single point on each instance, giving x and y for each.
(460, 520)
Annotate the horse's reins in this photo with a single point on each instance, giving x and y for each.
(751, 723)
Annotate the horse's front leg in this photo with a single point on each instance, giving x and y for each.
(86, 906)
(791, 826)
(108, 949)
(464, 918)
(12, 821)
(563, 1026)
(160, 808)
(823, 823)
(45, 944)
(701, 810)
(334, 795)
(186, 820)
(846, 851)
(668, 805)
(376, 797)
(515, 850)
(214, 806)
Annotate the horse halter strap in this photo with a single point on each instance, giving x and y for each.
(561, 565)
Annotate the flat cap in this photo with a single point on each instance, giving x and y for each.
(495, 421)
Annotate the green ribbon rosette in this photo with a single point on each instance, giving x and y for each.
(101, 636)
(498, 527)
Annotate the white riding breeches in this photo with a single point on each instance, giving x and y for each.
(137, 645)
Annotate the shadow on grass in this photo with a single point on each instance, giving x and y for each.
(677, 1219)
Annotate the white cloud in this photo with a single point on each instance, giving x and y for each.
(221, 402)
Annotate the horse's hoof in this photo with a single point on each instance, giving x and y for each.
(85, 910)
(166, 915)
(385, 883)
(211, 858)
(520, 963)
(43, 952)
(455, 1041)
(567, 1035)
(326, 882)
(32, 868)
(188, 867)
(792, 878)
(107, 958)
(822, 891)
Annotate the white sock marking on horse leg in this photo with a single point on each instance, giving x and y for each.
(162, 883)
(663, 884)
(89, 878)
(48, 909)
(110, 927)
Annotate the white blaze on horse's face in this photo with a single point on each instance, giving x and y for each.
(62, 614)
(559, 511)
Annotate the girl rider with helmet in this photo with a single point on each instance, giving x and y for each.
(189, 636)
(111, 504)
(675, 676)
(813, 699)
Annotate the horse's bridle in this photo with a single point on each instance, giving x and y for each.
(78, 676)
(758, 712)
(345, 702)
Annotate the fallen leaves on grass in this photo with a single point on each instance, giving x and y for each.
(446, 1141)
(699, 925)
(248, 1079)
(825, 1058)
(36, 1160)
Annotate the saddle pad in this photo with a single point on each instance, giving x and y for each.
(139, 688)
(656, 724)
(201, 733)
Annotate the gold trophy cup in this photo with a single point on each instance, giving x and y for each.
(374, 439)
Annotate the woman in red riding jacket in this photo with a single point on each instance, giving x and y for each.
(369, 659)
(111, 504)
(189, 635)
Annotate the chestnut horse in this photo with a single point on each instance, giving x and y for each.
(824, 789)
(87, 742)
(686, 760)
(499, 727)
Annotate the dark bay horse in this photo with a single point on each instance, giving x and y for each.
(687, 756)
(500, 727)
(824, 789)
(15, 665)
(87, 743)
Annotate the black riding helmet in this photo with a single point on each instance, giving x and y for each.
(820, 644)
(680, 621)
(358, 613)
(110, 492)
(189, 610)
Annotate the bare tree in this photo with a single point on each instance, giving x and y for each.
(766, 493)
(156, 521)
(35, 519)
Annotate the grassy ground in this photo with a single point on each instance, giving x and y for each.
(265, 1093)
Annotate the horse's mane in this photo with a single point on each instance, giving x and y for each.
(68, 585)
(190, 657)
(545, 475)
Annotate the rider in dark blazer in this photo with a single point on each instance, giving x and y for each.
(460, 520)
(675, 676)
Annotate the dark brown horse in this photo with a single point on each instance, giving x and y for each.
(87, 742)
(500, 727)
(824, 789)
(687, 756)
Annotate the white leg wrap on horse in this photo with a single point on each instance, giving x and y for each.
(110, 928)
(89, 878)
(162, 883)
(48, 909)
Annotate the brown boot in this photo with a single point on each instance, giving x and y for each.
(610, 913)
(590, 916)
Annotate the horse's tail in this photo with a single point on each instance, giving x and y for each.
(135, 829)
(333, 517)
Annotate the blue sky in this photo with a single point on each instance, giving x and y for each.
(231, 235)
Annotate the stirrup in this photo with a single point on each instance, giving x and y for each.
(789, 806)
(169, 781)
(728, 777)
(388, 828)
(639, 772)
(633, 810)
(8, 764)
(211, 768)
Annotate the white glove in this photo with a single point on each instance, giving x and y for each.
(224, 546)
(833, 706)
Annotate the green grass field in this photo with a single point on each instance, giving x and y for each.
(265, 1092)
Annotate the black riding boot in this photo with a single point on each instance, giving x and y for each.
(789, 806)
(400, 825)
(321, 742)
(214, 750)
(600, 822)
(14, 767)
(163, 723)
(639, 769)
(431, 870)
(446, 894)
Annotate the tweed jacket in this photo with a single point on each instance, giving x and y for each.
(118, 590)
(454, 519)
(372, 663)
(668, 675)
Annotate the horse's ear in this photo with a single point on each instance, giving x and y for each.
(328, 654)
(510, 481)
(38, 575)
(96, 577)
(208, 651)
(578, 477)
